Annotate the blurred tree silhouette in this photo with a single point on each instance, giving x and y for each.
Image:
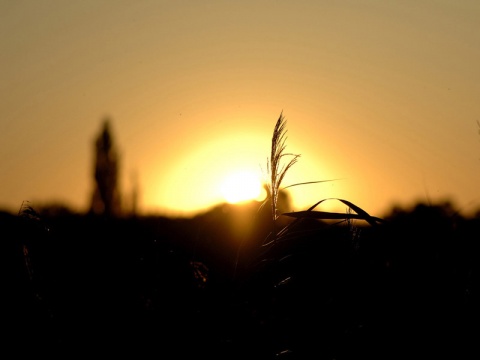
(106, 195)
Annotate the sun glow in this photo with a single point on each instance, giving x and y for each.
(241, 186)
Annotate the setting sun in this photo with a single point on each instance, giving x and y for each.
(241, 186)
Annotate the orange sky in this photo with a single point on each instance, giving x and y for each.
(383, 95)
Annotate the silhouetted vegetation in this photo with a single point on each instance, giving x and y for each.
(106, 194)
(224, 285)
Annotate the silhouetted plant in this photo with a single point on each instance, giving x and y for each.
(106, 195)
(277, 171)
(275, 168)
(33, 236)
(305, 253)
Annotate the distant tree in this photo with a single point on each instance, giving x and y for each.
(106, 195)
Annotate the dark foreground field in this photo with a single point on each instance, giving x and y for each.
(205, 287)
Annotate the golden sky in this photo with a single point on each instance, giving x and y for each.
(383, 95)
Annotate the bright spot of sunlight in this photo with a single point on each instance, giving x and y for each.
(241, 186)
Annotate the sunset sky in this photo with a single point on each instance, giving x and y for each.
(382, 95)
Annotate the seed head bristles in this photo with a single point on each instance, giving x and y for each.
(275, 168)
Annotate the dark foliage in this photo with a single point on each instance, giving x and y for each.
(407, 288)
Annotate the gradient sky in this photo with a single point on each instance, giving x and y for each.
(384, 95)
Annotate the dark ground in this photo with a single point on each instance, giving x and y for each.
(172, 288)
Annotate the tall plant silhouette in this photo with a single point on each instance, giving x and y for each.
(277, 169)
(106, 196)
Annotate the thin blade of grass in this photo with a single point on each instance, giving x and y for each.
(367, 217)
(309, 182)
(326, 215)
